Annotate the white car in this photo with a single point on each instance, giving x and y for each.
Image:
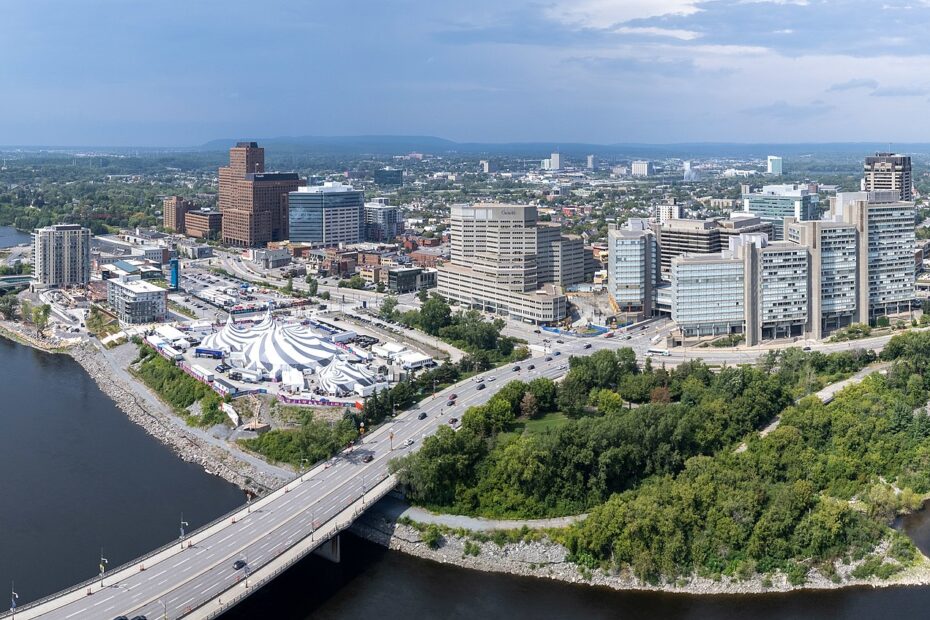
(409, 442)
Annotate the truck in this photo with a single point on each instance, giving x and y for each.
(202, 373)
(211, 353)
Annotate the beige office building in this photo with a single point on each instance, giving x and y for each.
(496, 265)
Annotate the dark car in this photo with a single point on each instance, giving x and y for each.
(548, 358)
(531, 367)
(481, 386)
(536, 331)
(451, 403)
(422, 416)
(560, 341)
(516, 369)
(557, 353)
(139, 618)
(587, 346)
(368, 458)
(239, 564)
(120, 618)
(453, 421)
(453, 396)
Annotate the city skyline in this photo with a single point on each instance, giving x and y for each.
(597, 71)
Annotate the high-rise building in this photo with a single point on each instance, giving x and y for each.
(253, 202)
(555, 161)
(676, 237)
(887, 171)
(641, 168)
(633, 268)
(590, 162)
(708, 294)
(61, 255)
(560, 258)
(774, 203)
(688, 173)
(174, 209)
(886, 250)
(833, 248)
(487, 166)
(383, 222)
(495, 258)
(665, 211)
(327, 215)
(773, 165)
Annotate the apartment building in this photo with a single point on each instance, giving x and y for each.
(61, 255)
(383, 222)
(633, 268)
(774, 203)
(136, 301)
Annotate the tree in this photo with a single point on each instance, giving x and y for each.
(289, 286)
(40, 316)
(8, 304)
(25, 309)
(388, 306)
(529, 408)
(435, 315)
(380, 287)
(423, 295)
(312, 286)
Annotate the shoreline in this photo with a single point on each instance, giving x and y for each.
(181, 441)
(544, 559)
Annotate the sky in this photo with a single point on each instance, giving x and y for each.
(183, 72)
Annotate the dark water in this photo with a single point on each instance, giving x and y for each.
(10, 237)
(76, 475)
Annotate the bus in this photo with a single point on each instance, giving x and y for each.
(657, 351)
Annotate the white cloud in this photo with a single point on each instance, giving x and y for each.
(607, 13)
(674, 33)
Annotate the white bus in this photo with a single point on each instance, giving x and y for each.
(656, 351)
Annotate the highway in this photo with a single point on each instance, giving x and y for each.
(192, 577)
(177, 581)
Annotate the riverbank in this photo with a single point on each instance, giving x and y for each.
(155, 418)
(535, 555)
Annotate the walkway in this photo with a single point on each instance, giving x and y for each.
(393, 508)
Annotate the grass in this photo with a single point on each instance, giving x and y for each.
(548, 422)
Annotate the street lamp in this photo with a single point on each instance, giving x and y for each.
(183, 525)
(103, 566)
(13, 598)
(164, 607)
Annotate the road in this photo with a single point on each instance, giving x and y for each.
(177, 580)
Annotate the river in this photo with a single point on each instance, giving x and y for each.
(9, 237)
(77, 475)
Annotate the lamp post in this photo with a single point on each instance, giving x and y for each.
(164, 606)
(183, 525)
(13, 598)
(103, 566)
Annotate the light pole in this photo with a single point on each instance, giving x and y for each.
(13, 598)
(103, 566)
(164, 607)
(183, 525)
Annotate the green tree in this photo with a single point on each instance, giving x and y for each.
(8, 305)
(423, 295)
(312, 286)
(388, 306)
(435, 314)
(40, 316)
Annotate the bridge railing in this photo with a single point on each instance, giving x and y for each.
(141, 559)
(372, 496)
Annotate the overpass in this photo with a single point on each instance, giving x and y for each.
(195, 577)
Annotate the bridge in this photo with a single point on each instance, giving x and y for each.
(195, 577)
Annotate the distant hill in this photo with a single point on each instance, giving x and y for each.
(398, 145)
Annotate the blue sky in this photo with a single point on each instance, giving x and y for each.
(181, 72)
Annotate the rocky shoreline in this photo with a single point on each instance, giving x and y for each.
(549, 560)
(188, 447)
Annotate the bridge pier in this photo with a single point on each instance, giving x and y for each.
(330, 550)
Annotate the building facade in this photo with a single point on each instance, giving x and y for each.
(641, 168)
(410, 279)
(203, 224)
(633, 268)
(887, 171)
(136, 301)
(382, 222)
(61, 255)
(677, 237)
(708, 294)
(253, 202)
(773, 165)
(389, 177)
(326, 215)
(174, 208)
(774, 203)
(494, 263)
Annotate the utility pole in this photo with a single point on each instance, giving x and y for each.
(103, 566)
